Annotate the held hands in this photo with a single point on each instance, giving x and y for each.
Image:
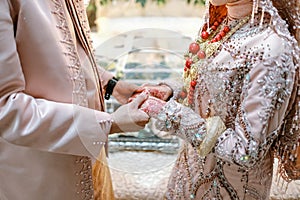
(123, 91)
(158, 94)
(135, 115)
(129, 118)
(152, 106)
(162, 91)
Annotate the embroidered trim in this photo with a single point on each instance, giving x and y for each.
(85, 185)
(83, 21)
(275, 85)
(76, 74)
(79, 97)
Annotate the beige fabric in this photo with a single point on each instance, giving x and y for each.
(49, 88)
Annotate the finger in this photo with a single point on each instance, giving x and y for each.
(139, 90)
(133, 96)
(130, 99)
(143, 118)
(144, 87)
(140, 99)
(142, 124)
(154, 91)
(139, 120)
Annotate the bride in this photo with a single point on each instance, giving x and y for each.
(238, 107)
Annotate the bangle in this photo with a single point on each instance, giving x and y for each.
(110, 87)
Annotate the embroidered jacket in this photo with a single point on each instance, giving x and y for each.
(50, 93)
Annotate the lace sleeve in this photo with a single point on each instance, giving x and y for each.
(188, 125)
(182, 122)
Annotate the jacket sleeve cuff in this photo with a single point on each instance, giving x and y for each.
(99, 124)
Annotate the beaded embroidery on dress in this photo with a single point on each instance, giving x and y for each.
(287, 148)
(250, 84)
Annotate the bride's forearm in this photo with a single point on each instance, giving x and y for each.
(182, 122)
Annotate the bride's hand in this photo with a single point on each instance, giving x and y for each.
(152, 106)
(162, 91)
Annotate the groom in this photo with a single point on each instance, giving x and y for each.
(52, 119)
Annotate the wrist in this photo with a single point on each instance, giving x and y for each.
(125, 87)
(114, 127)
(123, 91)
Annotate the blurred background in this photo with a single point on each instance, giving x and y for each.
(142, 41)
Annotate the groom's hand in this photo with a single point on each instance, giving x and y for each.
(129, 117)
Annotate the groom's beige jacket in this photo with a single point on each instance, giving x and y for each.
(49, 91)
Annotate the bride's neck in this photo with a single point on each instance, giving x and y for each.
(239, 9)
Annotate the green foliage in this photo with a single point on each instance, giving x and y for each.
(91, 7)
(195, 2)
(143, 2)
(91, 13)
(104, 2)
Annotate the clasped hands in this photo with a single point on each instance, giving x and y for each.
(158, 95)
(145, 102)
